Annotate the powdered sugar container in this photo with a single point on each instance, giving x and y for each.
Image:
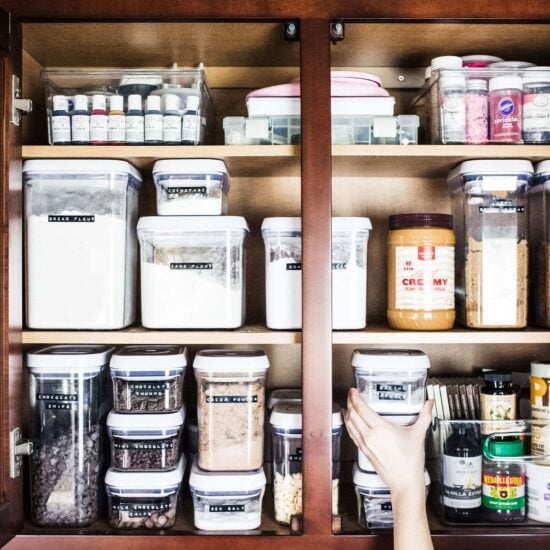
(192, 271)
(231, 408)
(81, 249)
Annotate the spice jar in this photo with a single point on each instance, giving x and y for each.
(505, 97)
(477, 111)
(497, 401)
(536, 105)
(421, 272)
(230, 408)
(452, 91)
(540, 409)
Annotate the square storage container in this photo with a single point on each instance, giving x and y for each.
(231, 408)
(490, 212)
(145, 442)
(192, 271)
(392, 382)
(283, 261)
(230, 501)
(66, 393)
(283, 395)
(286, 441)
(148, 379)
(191, 187)
(144, 500)
(81, 248)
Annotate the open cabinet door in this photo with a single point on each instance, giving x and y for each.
(11, 280)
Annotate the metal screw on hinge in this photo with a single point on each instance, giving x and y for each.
(292, 30)
(401, 78)
(337, 30)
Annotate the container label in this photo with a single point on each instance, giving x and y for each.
(294, 267)
(536, 112)
(462, 482)
(503, 492)
(81, 128)
(149, 389)
(135, 129)
(98, 128)
(136, 510)
(505, 118)
(297, 456)
(61, 129)
(501, 208)
(171, 129)
(58, 401)
(144, 445)
(497, 407)
(453, 113)
(175, 192)
(190, 126)
(540, 397)
(153, 127)
(424, 277)
(391, 392)
(116, 128)
(215, 508)
(184, 266)
(71, 219)
(231, 398)
(298, 266)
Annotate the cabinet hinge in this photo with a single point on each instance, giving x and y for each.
(337, 30)
(18, 104)
(292, 30)
(18, 449)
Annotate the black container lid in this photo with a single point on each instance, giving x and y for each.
(497, 376)
(405, 221)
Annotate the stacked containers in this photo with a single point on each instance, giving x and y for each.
(145, 429)
(231, 408)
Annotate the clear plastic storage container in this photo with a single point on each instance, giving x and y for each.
(489, 204)
(229, 501)
(143, 501)
(192, 271)
(67, 397)
(286, 441)
(283, 261)
(231, 408)
(284, 395)
(392, 382)
(81, 248)
(191, 187)
(145, 442)
(148, 379)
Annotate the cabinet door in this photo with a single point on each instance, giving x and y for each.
(11, 293)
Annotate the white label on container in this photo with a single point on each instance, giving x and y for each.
(453, 113)
(135, 129)
(153, 127)
(189, 128)
(116, 128)
(499, 183)
(424, 277)
(536, 112)
(81, 128)
(232, 399)
(257, 128)
(160, 445)
(462, 482)
(58, 401)
(149, 389)
(98, 128)
(499, 278)
(222, 508)
(171, 128)
(61, 129)
(137, 510)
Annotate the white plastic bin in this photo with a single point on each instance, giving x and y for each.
(283, 260)
(81, 247)
(192, 271)
(191, 187)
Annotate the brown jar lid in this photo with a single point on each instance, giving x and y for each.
(404, 221)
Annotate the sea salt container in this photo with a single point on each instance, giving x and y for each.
(228, 501)
(392, 382)
(231, 408)
(81, 249)
(192, 271)
(191, 187)
(148, 379)
(283, 259)
(489, 201)
(148, 500)
(66, 391)
(145, 442)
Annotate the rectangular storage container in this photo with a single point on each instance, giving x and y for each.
(191, 187)
(192, 271)
(489, 201)
(69, 82)
(231, 408)
(283, 260)
(66, 393)
(81, 247)
(148, 379)
(143, 501)
(145, 442)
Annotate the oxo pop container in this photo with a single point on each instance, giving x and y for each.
(81, 248)
(191, 187)
(148, 379)
(192, 271)
(283, 260)
(148, 500)
(490, 212)
(231, 408)
(67, 392)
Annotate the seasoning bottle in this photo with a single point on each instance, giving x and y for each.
(540, 410)
(153, 120)
(135, 125)
(116, 123)
(80, 121)
(462, 474)
(536, 105)
(505, 109)
(171, 123)
(421, 272)
(191, 122)
(498, 400)
(98, 120)
(503, 497)
(452, 92)
(477, 111)
(61, 121)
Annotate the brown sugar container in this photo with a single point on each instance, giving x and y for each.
(421, 272)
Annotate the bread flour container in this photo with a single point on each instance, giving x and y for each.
(283, 260)
(192, 271)
(81, 249)
(191, 187)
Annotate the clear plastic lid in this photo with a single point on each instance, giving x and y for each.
(189, 224)
(68, 358)
(385, 359)
(146, 422)
(231, 361)
(80, 166)
(289, 395)
(289, 416)
(149, 358)
(500, 167)
(294, 224)
(189, 166)
(446, 62)
(230, 482)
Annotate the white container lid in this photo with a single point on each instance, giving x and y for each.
(536, 74)
(232, 482)
(80, 166)
(192, 223)
(501, 167)
(224, 360)
(371, 480)
(395, 359)
(149, 358)
(512, 65)
(480, 58)
(63, 357)
(506, 82)
(189, 166)
(289, 416)
(289, 395)
(146, 421)
(294, 224)
(446, 62)
(542, 168)
(540, 369)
